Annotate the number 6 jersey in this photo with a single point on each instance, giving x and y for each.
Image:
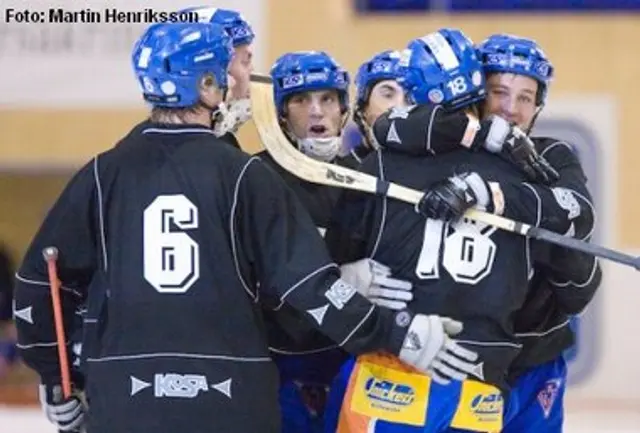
(170, 238)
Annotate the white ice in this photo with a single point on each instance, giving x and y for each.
(32, 421)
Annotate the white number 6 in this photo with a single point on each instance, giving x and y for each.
(171, 257)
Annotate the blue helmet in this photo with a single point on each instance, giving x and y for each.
(233, 22)
(382, 66)
(442, 68)
(515, 55)
(305, 71)
(170, 59)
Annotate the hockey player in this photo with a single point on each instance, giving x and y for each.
(457, 267)
(377, 90)
(518, 77)
(170, 238)
(237, 108)
(311, 98)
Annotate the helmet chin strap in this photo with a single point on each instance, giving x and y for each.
(534, 118)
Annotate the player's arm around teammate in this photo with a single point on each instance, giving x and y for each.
(393, 233)
(426, 128)
(518, 95)
(565, 281)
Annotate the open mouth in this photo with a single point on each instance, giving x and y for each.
(318, 129)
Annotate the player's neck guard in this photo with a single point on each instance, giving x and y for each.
(229, 117)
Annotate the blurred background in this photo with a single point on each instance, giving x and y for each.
(67, 92)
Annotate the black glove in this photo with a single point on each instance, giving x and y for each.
(450, 198)
(524, 155)
(496, 135)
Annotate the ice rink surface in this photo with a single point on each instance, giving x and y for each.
(32, 421)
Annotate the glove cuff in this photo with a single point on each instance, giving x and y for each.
(495, 131)
(480, 190)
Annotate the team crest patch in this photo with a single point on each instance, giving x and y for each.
(547, 396)
(340, 293)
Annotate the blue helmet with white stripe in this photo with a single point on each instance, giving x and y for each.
(442, 68)
(383, 66)
(233, 22)
(503, 53)
(170, 60)
(305, 71)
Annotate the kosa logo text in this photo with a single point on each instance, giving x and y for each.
(179, 385)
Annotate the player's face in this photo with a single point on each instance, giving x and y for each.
(314, 114)
(384, 95)
(240, 70)
(512, 97)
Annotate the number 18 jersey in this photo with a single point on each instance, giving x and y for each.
(465, 270)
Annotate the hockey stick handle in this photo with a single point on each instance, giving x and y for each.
(585, 247)
(554, 238)
(319, 172)
(261, 78)
(50, 255)
(413, 196)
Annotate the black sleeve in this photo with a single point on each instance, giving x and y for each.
(292, 264)
(423, 130)
(574, 274)
(70, 227)
(347, 235)
(553, 208)
(355, 219)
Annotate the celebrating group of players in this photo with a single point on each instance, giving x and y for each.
(221, 293)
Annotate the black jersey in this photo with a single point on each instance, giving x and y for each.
(565, 281)
(465, 270)
(171, 238)
(289, 333)
(319, 200)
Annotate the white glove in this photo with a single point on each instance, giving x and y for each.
(373, 281)
(499, 130)
(66, 415)
(429, 348)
